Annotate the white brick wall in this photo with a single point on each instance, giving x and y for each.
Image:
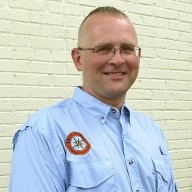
(36, 69)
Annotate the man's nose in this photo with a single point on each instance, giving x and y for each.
(117, 57)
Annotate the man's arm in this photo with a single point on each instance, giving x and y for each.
(36, 165)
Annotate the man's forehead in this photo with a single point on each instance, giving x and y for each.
(103, 22)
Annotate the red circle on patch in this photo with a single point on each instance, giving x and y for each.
(77, 144)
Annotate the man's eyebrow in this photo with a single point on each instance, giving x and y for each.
(112, 45)
(128, 44)
(105, 44)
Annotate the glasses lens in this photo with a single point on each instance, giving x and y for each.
(103, 49)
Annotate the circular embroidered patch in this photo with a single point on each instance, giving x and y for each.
(77, 144)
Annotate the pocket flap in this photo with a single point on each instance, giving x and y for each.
(87, 174)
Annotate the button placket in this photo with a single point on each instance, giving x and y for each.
(131, 162)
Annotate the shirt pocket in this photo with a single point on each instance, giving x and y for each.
(91, 176)
(161, 175)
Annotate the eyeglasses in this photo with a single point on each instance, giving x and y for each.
(126, 50)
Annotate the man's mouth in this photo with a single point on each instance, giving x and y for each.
(115, 73)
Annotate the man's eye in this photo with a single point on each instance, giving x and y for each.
(128, 49)
(103, 50)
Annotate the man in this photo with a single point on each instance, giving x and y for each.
(94, 142)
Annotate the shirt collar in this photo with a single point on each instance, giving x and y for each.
(97, 108)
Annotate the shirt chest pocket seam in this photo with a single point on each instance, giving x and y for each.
(90, 174)
(161, 175)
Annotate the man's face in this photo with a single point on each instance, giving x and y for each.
(107, 77)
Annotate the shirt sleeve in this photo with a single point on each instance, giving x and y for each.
(36, 165)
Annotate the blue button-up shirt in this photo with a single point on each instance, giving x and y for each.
(84, 145)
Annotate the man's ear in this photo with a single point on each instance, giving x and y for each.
(76, 58)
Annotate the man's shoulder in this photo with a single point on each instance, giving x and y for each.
(140, 115)
(143, 118)
(46, 114)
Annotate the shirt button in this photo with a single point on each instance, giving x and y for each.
(130, 163)
(137, 190)
(101, 117)
(113, 110)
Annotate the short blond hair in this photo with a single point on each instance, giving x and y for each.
(106, 10)
(102, 10)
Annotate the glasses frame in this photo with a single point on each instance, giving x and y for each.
(113, 50)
